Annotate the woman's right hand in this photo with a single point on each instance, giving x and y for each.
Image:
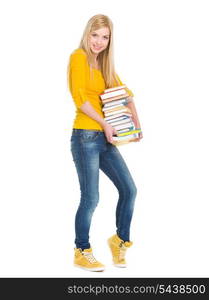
(109, 132)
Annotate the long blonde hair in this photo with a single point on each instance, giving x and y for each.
(105, 58)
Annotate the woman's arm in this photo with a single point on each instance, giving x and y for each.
(88, 109)
(77, 85)
(135, 117)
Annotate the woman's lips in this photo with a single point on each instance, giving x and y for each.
(97, 48)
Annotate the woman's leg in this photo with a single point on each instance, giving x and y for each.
(114, 166)
(86, 158)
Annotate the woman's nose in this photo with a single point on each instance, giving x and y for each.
(99, 41)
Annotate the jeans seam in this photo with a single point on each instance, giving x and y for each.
(81, 190)
(84, 168)
(125, 193)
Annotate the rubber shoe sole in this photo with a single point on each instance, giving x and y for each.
(99, 269)
(120, 265)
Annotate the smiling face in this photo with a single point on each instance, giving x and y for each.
(99, 39)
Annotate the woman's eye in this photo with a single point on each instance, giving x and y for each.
(105, 37)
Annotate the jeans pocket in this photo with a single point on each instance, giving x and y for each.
(89, 135)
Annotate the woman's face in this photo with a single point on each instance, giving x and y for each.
(99, 39)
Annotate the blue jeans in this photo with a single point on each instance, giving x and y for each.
(91, 151)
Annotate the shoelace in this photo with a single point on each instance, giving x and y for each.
(90, 257)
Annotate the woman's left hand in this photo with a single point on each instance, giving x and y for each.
(140, 137)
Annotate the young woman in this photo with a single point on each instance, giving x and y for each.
(91, 71)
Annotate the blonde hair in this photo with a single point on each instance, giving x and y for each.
(105, 58)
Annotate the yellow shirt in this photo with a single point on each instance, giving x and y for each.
(83, 89)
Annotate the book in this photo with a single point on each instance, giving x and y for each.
(115, 108)
(122, 118)
(116, 102)
(121, 138)
(115, 98)
(122, 126)
(113, 94)
(118, 114)
(126, 114)
(125, 138)
(117, 141)
(125, 130)
(114, 88)
(120, 122)
(111, 107)
(115, 112)
(129, 132)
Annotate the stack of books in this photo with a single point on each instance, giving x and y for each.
(116, 113)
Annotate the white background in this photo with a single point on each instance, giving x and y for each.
(161, 53)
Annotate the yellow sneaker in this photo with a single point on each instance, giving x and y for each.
(85, 260)
(118, 248)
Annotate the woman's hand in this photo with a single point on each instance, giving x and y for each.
(109, 132)
(139, 138)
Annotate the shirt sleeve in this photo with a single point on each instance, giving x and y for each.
(77, 78)
(128, 91)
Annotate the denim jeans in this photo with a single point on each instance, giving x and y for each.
(91, 151)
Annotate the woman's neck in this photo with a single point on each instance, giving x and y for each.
(96, 62)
